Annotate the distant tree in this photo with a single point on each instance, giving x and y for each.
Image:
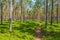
(14, 11)
(1, 13)
(21, 10)
(57, 12)
(4, 8)
(38, 5)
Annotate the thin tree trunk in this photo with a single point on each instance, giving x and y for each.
(38, 12)
(10, 15)
(58, 9)
(52, 12)
(46, 12)
(14, 9)
(1, 13)
(3, 9)
(27, 12)
(57, 12)
(21, 11)
(6, 10)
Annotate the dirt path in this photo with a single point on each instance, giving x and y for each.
(38, 38)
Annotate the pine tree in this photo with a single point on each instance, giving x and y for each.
(10, 15)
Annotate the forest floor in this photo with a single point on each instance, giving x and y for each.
(26, 31)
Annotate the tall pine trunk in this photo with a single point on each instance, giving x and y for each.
(21, 11)
(46, 13)
(51, 12)
(10, 15)
(14, 9)
(1, 13)
(57, 12)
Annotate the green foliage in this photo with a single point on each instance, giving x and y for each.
(26, 30)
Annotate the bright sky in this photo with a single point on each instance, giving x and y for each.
(32, 0)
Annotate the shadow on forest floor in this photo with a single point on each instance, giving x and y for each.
(30, 29)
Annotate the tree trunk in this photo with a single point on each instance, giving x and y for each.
(21, 11)
(1, 13)
(52, 12)
(14, 9)
(46, 12)
(57, 12)
(10, 15)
